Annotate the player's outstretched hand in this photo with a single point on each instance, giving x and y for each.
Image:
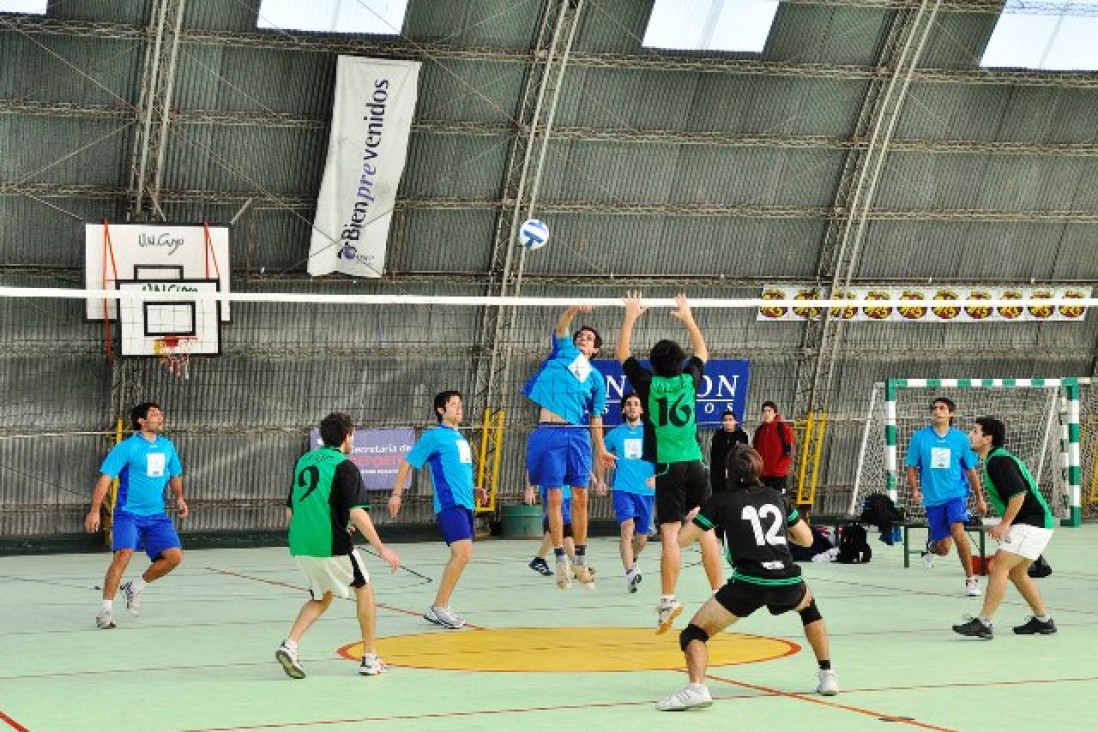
(634, 306)
(390, 558)
(394, 505)
(91, 521)
(181, 506)
(682, 308)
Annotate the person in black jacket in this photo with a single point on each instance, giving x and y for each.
(727, 437)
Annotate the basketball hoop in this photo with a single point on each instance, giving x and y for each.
(174, 354)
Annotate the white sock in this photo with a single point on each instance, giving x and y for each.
(292, 645)
(985, 621)
(1043, 618)
(138, 584)
(108, 605)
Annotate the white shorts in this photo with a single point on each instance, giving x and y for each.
(333, 574)
(1025, 540)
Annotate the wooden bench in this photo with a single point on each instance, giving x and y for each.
(980, 567)
(979, 560)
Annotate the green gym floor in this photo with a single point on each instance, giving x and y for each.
(201, 654)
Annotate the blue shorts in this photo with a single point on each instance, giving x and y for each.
(636, 508)
(156, 533)
(455, 523)
(565, 513)
(939, 518)
(559, 455)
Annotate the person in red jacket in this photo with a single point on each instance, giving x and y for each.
(774, 441)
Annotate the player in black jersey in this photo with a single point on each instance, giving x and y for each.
(758, 524)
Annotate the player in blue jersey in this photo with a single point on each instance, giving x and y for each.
(568, 390)
(941, 468)
(144, 463)
(450, 458)
(634, 486)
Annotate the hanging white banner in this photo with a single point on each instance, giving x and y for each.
(371, 121)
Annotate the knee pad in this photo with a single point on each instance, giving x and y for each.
(692, 633)
(568, 531)
(810, 614)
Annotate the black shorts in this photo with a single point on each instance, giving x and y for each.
(680, 488)
(743, 598)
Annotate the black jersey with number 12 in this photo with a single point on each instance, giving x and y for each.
(755, 522)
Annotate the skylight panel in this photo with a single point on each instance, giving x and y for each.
(1050, 36)
(24, 7)
(710, 25)
(375, 17)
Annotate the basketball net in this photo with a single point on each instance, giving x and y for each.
(174, 354)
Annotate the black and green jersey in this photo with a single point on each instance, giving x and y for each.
(327, 485)
(755, 522)
(670, 406)
(1005, 477)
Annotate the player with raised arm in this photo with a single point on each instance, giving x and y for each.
(568, 390)
(668, 394)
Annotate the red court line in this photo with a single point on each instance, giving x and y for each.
(416, 717)
(609, 705)
(276, 583)
(12, 723)
(812, 700)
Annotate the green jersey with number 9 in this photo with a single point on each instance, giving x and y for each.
(327, 485)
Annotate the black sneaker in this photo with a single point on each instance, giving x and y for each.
(1033, 626)
(974, 628)
(541, 566)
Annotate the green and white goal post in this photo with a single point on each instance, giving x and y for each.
(1042, 418)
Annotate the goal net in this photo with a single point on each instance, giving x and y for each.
(1042, 418)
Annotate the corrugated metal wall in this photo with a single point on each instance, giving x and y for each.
(668, 171)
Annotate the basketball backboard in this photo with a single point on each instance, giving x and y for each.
(116, 253)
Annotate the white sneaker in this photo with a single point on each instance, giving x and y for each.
(632, 579)
(564, 575)
(829, 682)
(372, 665)
(928, 560)
(104, 620)
(668, 611)
(445, 617)
(290, 664)
(691, 696)
(584, 575)
(133, 599)
(972, 586)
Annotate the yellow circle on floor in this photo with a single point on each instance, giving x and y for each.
(566, 650)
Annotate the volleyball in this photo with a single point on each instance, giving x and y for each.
(533, 234)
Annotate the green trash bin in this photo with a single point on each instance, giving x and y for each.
(522, 522)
